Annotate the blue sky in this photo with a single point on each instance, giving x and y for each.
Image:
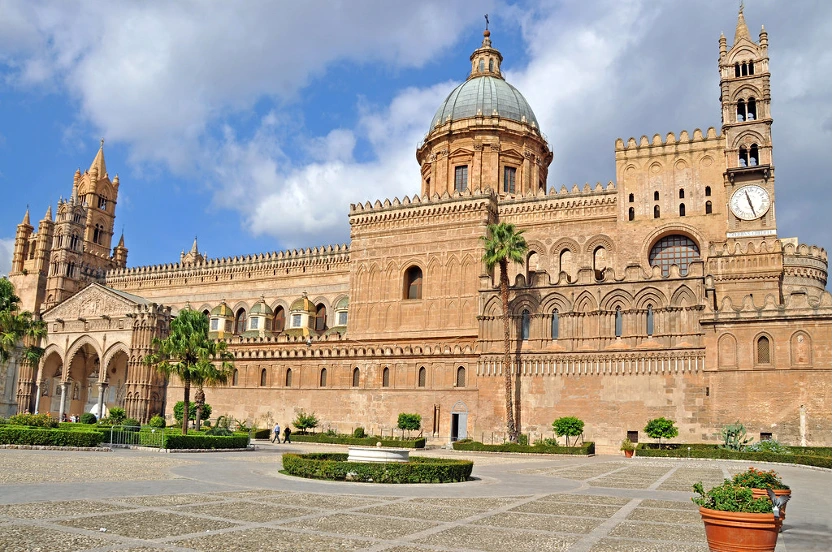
(254, 129)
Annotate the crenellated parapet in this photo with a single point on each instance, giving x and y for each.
(805, 265)
(417, 209)
(672, 144)
(586, 203)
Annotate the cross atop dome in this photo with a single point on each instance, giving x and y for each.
(485, 61)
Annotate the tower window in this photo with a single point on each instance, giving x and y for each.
(288, 378)
(751, 67)
(102, 203)
(630, 198)
(599, 262)
(737, 69)
(356, 377)
(741, 113)
(322, 382)
(682, 209)
(491, 65)
(481, 66)
(509, 180)
(682, 193)
(743, 157)
(263, 378)
(656, 211)
(708, 207)
(421, 377)
(763, 350)
(413, 283)
(649, 321)
(708, 191)
(461, 377)
(618, 322)
(525, 325)
(675, 249)
(743, 69)
(386, 377)
(656, 196)
(751, 110)
(461, 178)
(753, 155)
(630, 213)
(554, 325)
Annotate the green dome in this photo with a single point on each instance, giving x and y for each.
(302, 304)
(261, 308)
(222, 310)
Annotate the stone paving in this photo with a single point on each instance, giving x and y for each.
(131, 500)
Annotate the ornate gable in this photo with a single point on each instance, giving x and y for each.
(93, 301)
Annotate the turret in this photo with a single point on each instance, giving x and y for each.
(120, 253)
(21, 243)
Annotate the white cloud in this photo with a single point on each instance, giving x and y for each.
(6, 250)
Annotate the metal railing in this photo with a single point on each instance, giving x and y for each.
(121, 435)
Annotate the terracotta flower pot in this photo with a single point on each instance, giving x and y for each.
(740, 532)
(758, 493)
(628, 454)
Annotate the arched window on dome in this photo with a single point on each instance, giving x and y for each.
(491, 65)
(674, 250)
(413, 283)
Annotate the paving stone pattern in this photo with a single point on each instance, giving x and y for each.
(223, 502)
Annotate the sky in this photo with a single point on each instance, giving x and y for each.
(254, 125)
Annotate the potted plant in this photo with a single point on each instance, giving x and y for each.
(735, 520)
(627, 447)
(759, 481)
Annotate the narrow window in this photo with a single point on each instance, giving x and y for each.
(413, 283)
(296, 320)
(280, 319)
(737, 69)
(102, 203)
(649, 321)
(386, 377)
(630, 198)
(355, 377)
(525, 325)
(554, 324)
(599, 262)
(763, 350)
(509, 180)
(263, 378)
(421, 377)
(743, 157)
(461, 377)
(322, 382)
(708, 207)
(461, 178)
(656, 211)
(618, 322)
(682, 209)
(630, 213)
(481, 66)
(235, 378)
(491, 65)
(321, 318)
(751, 110)
(288, 378)
(95, 234)
(751, 67)
(566, 262)
(753, 155)
(708, 191)
(682, 193)
(656, 196)
(240, 322)
(741, 111)
(743, 69)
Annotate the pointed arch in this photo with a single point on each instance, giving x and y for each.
(683, 297)
(650, 296)
(801, 349)
(76, 346)
(585, 303)
(616, 298)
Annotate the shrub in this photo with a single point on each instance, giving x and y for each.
(660, 428)
(806, 456)
(117, 415)
(627, 444)
(10, 435)
(88, 418)
(192, 411)
(759, 479)
(220, 431)
(585, 449)
(523, 439)
(331, 432)
(265, 433)
(132, 424)
(359, 433)
(728, 497)
(157, 421)
(771, 446)
(409, 422)
(334, 466)
(34, 420)
(734, 436)
(366, 441)
(304, 421)
(568, 426)
(172, 441)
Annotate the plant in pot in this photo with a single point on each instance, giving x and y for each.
(628, 447)
(759, 481)
(734, 520)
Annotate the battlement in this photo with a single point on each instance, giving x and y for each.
(802, 250)
(744, 247)
(671, 141)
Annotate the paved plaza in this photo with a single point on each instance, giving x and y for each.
(132, 500)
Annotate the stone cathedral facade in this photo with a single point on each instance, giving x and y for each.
(666, 292)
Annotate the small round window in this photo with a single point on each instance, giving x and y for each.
(674, 250)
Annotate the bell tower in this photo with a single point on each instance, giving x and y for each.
(747, 127)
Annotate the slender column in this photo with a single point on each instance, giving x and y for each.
(102, 387)
(37, 396)
(61, 409)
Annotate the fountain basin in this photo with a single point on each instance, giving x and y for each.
(378, 454)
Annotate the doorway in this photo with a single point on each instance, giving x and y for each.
(459, 419)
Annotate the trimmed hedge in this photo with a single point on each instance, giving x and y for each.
(350, 440)
(237, 441)
(677, 450)
(585, 449)
(335, 467)
(18, 435)
(263, 434)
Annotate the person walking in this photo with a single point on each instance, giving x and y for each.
(286, 433)
(277, 433)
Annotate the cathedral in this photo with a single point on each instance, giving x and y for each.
(666, 292)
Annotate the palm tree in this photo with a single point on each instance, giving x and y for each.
(19, 331)
(503, 245)
(189, 354)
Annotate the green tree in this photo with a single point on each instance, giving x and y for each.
(568, 426)
(505, 244)
(192, 411)
(189, 354)
(409, 422)
(304, 421)
(20, 332)
(660, 428)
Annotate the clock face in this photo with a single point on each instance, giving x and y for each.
(750, 202)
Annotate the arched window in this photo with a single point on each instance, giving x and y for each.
(320, 318)
(763, 350)
(102, 203)
(73, 242)
(566, 262)
(618, 322)
(288, 378)
(509, 180)
(235, 378)
(649, 321)
(525, 325)
(751, 67)
(599, 262)
(708, 191)
(678, 250)
(753, 155)
(682, 193)
(482, 66)
(682, 209)
(554, 324)
(413, 283)
(322, 381)
(96, 234)
(743, 157)
(656, 211)
(741, 111)
(386, 377)
(656, 196)
(461, 377)
(630, 198)
(280, 319)
(240, 322)
(737, 69)
(708, 207)
(491, 64)
(356, 375)
(421, 377)
(263, 378)
(743, 69)
(630, 213)
(751, 110)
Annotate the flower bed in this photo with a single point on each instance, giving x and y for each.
(350, 440)
(335, 467)
(812, 457)
(19, 435)
(586, 449)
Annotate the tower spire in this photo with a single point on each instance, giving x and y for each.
(98, 162)
(26, 217)
(741, 31)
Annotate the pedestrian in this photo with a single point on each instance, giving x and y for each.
(286, 433)
(277, 433)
